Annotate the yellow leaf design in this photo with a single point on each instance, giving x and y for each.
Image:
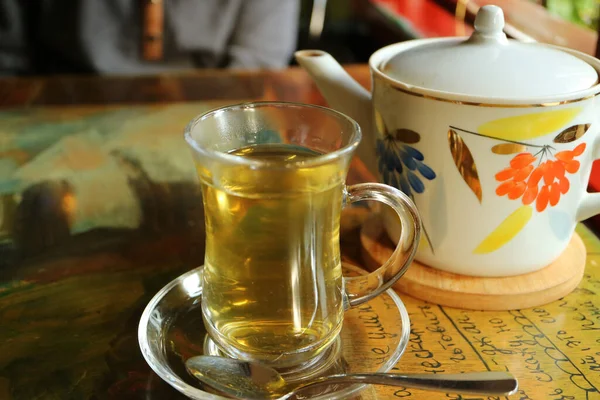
(381, 128)
(509, 148)
(528, 126)
(423, 244)
(464, 162)
(506, 231)
(572, 133)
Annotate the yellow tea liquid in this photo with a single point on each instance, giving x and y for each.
(272, 276)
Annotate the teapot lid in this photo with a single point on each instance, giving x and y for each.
(490, 65)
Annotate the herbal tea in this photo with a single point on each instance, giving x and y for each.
(272, 281)
(272, 276)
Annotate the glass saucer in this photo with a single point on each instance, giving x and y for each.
(171, 330)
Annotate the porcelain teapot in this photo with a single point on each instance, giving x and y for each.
(492, 138)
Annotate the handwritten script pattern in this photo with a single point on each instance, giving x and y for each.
(553, 350)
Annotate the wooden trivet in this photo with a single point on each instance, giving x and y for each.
(477, 293)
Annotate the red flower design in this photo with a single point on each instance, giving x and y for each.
(522, 179)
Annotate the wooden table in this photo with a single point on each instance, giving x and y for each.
(99, 208)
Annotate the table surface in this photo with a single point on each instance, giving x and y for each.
(99, 208)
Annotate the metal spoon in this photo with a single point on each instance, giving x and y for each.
(254, 381)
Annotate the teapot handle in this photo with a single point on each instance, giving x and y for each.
(590, 202)
(589, 206)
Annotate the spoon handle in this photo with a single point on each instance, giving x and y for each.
(491, 383)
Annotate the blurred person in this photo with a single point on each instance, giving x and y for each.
(133, 37)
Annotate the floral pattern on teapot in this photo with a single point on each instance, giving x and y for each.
(401, 164)
(537, 178)
(537, 175)
(522, 179)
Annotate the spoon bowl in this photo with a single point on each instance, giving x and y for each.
(254, 381)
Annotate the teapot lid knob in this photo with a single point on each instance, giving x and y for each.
(489, 25)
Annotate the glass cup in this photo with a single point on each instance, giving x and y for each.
(272, 177)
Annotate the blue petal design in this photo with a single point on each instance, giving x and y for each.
(407, 159)
(399, 168)
(561, 224)
(397, 163)
(380, 147)
(391, 159)
(386, 176)
(381, 164)
(414, 153)
(388, 159)
(404, 186)
(415, 182)
(393, 180)
(425, 171)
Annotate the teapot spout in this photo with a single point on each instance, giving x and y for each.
(344, 94)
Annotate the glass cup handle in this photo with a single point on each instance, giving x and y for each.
(363, 288)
